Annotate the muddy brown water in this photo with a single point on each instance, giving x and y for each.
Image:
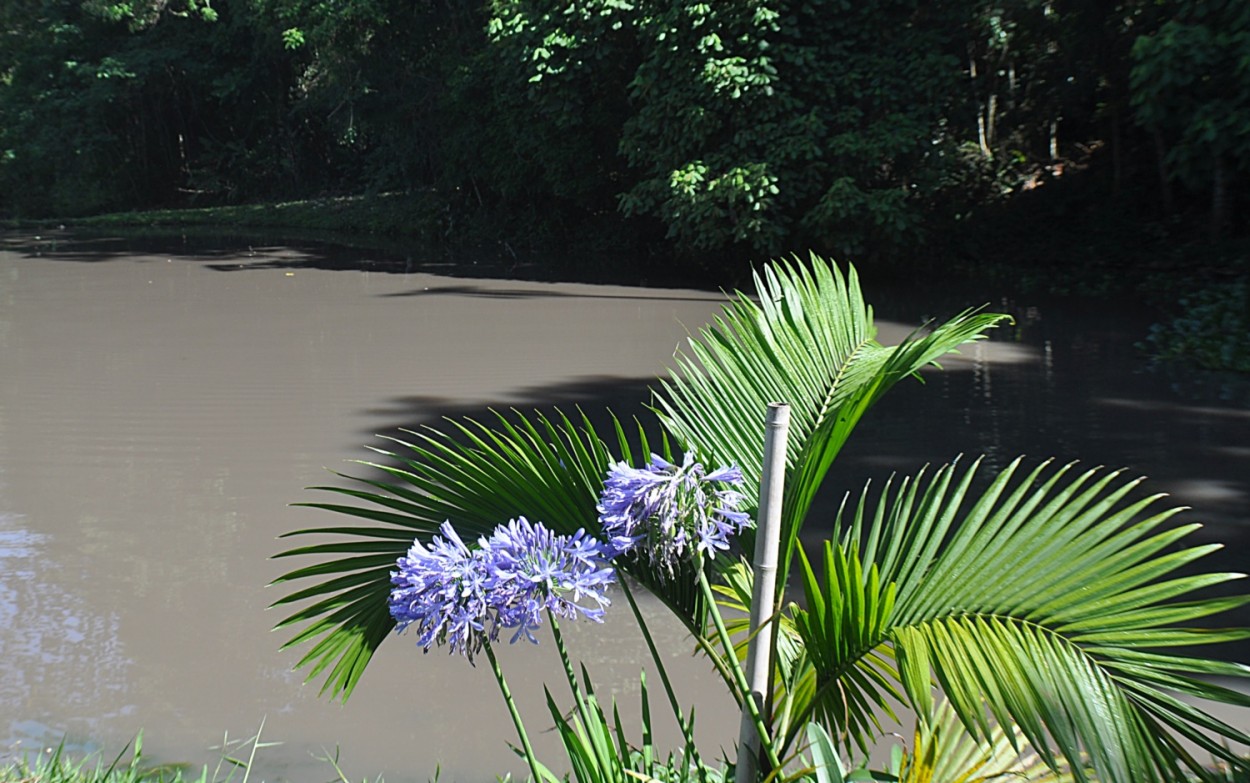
(162, 403)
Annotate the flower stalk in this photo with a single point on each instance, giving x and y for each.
(740, 679)
(526, 747)
(687, 729)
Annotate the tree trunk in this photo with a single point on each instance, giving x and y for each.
(1117, 162)
(1165, 183)
(982, 131)
(1219, 198)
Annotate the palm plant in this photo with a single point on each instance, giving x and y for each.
(941, 752)
(1042, 603)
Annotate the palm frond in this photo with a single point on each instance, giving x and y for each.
(944, 752)
(847, 609)
(810, 341)
(1042, 603)
(548, 469)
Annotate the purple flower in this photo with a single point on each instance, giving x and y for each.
(533, 570)
(461, 597)
(442, 589)
(666, 510)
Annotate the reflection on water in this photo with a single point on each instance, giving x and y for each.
(161, 405)
(51, 633)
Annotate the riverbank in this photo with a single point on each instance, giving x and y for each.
(1044, 242)
(422, 223)
(408, 215)
(61, 764)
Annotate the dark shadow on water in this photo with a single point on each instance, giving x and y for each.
(597, 397)
(1190, 451)
(238, 250)
(517, 293)
(1081, 390)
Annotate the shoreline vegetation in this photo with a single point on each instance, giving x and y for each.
(62, 764)
(1089, 149)
(359, 217)
(236, 763)
(404, 224)
(1199, 290)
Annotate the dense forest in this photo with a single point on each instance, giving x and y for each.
(761, 127)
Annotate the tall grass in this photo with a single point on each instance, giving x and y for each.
(56, 765)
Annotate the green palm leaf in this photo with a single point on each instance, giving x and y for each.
(477, 476)
(943, 752)
(1041, 603)
(846, 611)
(809, 341)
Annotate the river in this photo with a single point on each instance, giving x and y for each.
(163, 401)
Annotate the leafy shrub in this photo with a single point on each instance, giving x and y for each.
(1212, 331)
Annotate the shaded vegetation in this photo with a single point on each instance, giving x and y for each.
(1209, 331)
(753, 126)
(414, 216)
(1085, 146)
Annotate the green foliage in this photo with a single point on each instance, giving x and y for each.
(1077, 660)
(810, 341)
(1191, 82)
(941, 751)
(1210, 331)
(598, 752)
(1049, 603)
(755, 123)
(144, 13)
(544, 97)
(58, 765)
(55, 149)
(748, 126)
(705, 73)
(103, 107)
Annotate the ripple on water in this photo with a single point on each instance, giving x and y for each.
(159, 411)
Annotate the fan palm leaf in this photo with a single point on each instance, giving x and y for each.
(551, 468)
(808, 341)
(943, 752)
(546, 468)
(1044, 602)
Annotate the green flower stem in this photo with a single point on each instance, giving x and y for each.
(687, 730)
(564, 656)
(718, 662)
(568, 669)
(740, 678)
(516, 715)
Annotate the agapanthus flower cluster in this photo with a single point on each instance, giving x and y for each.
(442, 590)
(533, 570)
(462, 597)
(664, 511)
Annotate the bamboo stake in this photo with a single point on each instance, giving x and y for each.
(759, 666)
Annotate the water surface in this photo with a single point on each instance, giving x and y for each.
(162, 403)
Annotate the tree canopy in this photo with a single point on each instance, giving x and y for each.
(762, 126)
